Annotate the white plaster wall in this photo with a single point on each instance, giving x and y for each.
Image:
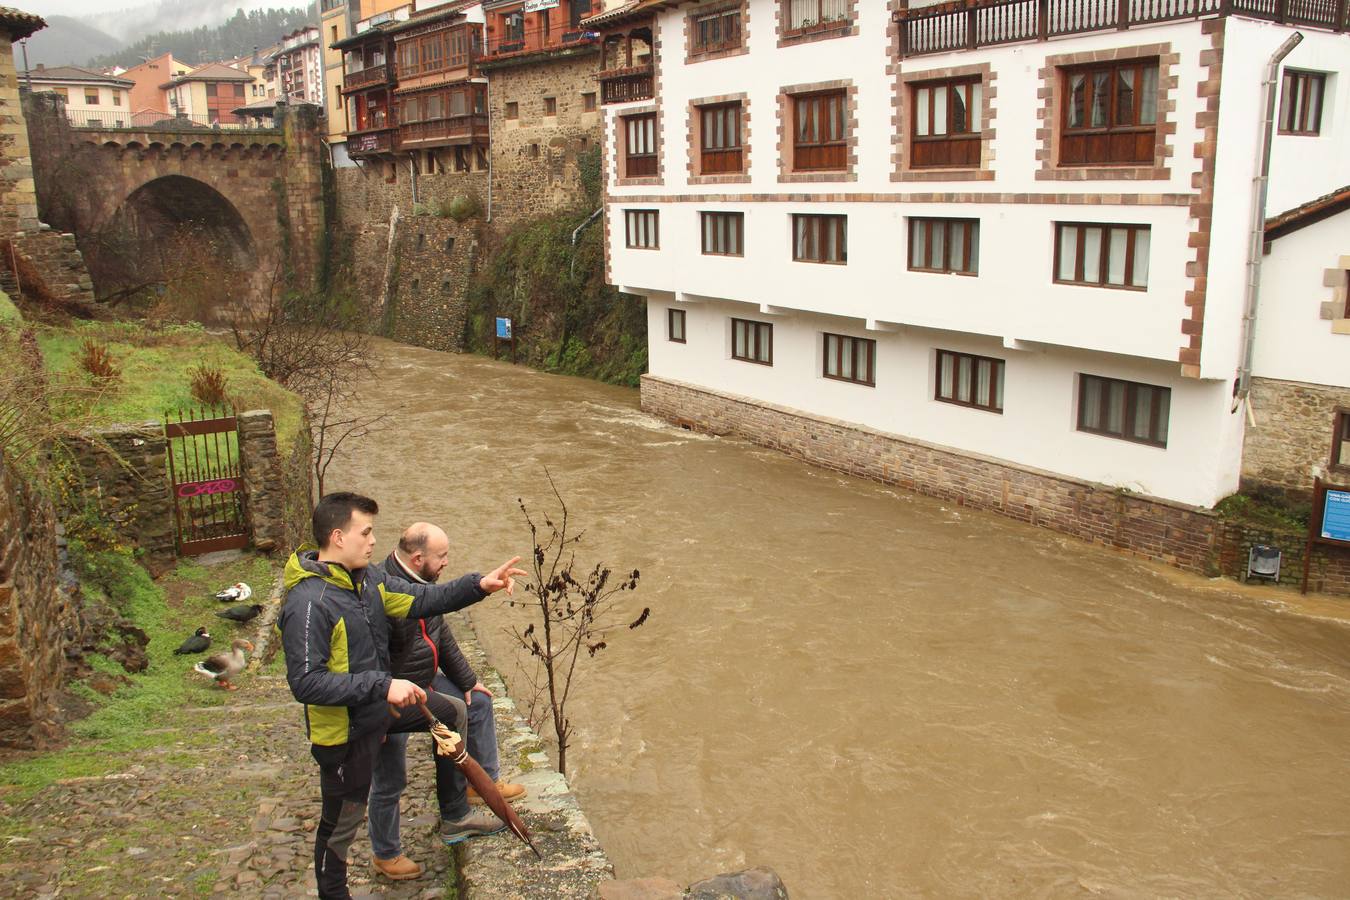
(1036, 429)
(1292, 342)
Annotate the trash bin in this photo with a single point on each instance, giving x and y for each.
(1263, 562)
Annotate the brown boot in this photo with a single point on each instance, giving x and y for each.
(510, 792)
(400, 868)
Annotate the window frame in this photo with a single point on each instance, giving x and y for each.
(758, 335)
(653, 225)
(997, 380)
(1340, 438)
(588, 101)
(1104, 256)
(511, 110)
(817, 220)
(551, 106)
(644, 122)
(810, 107)
(969, 141)
(855, 343)
(710, 159)
(97, 95)
(819, 26)
(723, 220)
(1112, 129)
(1129, 396)
(674, 315)
(970, 242)
(698, 43)
(1306, 79)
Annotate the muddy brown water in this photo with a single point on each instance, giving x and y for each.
(875, 693)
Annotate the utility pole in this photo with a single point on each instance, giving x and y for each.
(27, 73)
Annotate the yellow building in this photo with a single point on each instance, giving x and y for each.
(334, 26)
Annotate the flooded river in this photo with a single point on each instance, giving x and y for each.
(873, 693)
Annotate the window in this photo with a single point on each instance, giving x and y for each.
(946, 123)
(63, 93)
(717, 30)
(1110, 114)
(550, 106)
(534, 151)
(449, 245)
(944, 245)
(91, 96)
(850, 359)
(969, 380)
(117, 98)
(752, 341)
(1102, 255)
(640, 145)
(675, 325)
(588, 101)
(1340, 441)
(820, 128)
(579, 10)
(642, 229)
(333, 35)
(723, 233)
(1301, 102)
(820, 239)
(720, 138)
(513, 110)
(815, 15)
(1123, 409)
(445, 287)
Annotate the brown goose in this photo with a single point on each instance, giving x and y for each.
(224, 666)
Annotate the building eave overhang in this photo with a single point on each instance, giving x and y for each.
(1310, 213)
(19, 24)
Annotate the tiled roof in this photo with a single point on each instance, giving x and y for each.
(210, 72)
(18, 23)
(75, 73)
(1313, 211)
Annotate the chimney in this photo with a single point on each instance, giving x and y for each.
(40, 67)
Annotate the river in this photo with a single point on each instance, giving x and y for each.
(875, 693)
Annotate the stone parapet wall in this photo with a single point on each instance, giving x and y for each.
(32, 614)
(366, 194)
(297, 475)
(125, 473)
(264, 481)
(1290, 444)
(1155, 529)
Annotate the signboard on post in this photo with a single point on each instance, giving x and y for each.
(503, 328)
(504, 333)
(1329, 522)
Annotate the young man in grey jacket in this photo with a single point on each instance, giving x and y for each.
(424, 651)
(335, 633)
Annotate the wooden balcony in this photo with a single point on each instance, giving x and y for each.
(534, 40)
(371, 77)
(624, 85)
(451, 130)
(361, 144)
(967, 24)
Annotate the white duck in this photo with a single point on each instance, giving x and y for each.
(235, 593)
(224, 666)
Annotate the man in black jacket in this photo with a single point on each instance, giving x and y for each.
(335, 633)
(425, 652)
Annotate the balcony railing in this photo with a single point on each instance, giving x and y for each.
(368, 143)
(967, 24)
(623, 85)
(460, 129)
(153, 121)
(375, 75)
(533, 40)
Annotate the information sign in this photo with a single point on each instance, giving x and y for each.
(503, 328)
(537, 5)
(1336, 516)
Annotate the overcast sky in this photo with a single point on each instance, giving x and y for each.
(78, 8)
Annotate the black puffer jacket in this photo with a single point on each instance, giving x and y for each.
(418, 647)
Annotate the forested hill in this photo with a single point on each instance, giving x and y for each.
(236, 36)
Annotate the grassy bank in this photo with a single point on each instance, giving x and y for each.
(156, 366)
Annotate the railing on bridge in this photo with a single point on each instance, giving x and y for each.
(967, 24)
(156, 121)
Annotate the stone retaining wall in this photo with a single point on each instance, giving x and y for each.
(33, 610)
(1290, 444)
(125, 472)
(49, 267)
(1328, 572)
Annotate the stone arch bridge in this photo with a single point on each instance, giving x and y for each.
(254, 195)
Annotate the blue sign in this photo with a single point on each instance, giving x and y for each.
(503, 329)
(1336, 516)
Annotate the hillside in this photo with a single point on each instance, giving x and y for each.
(66, 41)
(236, 36)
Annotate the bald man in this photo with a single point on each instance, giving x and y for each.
(424, 652)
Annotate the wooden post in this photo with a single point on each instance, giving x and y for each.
(1042, 19)
(1122, 14)
(971, 43)
(1282, 11)
(1342, 22)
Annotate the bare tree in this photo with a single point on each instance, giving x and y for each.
(571, 614)
(331, 426)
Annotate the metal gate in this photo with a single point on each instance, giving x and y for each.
(206, 481)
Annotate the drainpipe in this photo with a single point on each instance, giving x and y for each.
(412, 174)
(576, 235)
(487, 101)
(1257, 238)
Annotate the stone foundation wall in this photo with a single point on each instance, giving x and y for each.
(1328, 572)
(1178, 535)
(534, 156)
(297, 481)
(32, 614)
(1291, 443)
(48, 266)
(125, 473)
(264, 482)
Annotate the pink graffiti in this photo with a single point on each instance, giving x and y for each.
(198, 488)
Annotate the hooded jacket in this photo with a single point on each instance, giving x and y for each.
(335, 633)
(419, 647)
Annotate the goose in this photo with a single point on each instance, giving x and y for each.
(224, 666)
(240, 613)
(195, 644)
(238, 592)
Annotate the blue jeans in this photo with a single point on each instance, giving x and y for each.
(391, 773)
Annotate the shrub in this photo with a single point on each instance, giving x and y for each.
(465, 206)
(97, 360)
(208, 385)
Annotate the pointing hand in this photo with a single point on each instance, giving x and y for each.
(504, 576)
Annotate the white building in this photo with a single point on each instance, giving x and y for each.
(1010, 246)
(92, 98)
